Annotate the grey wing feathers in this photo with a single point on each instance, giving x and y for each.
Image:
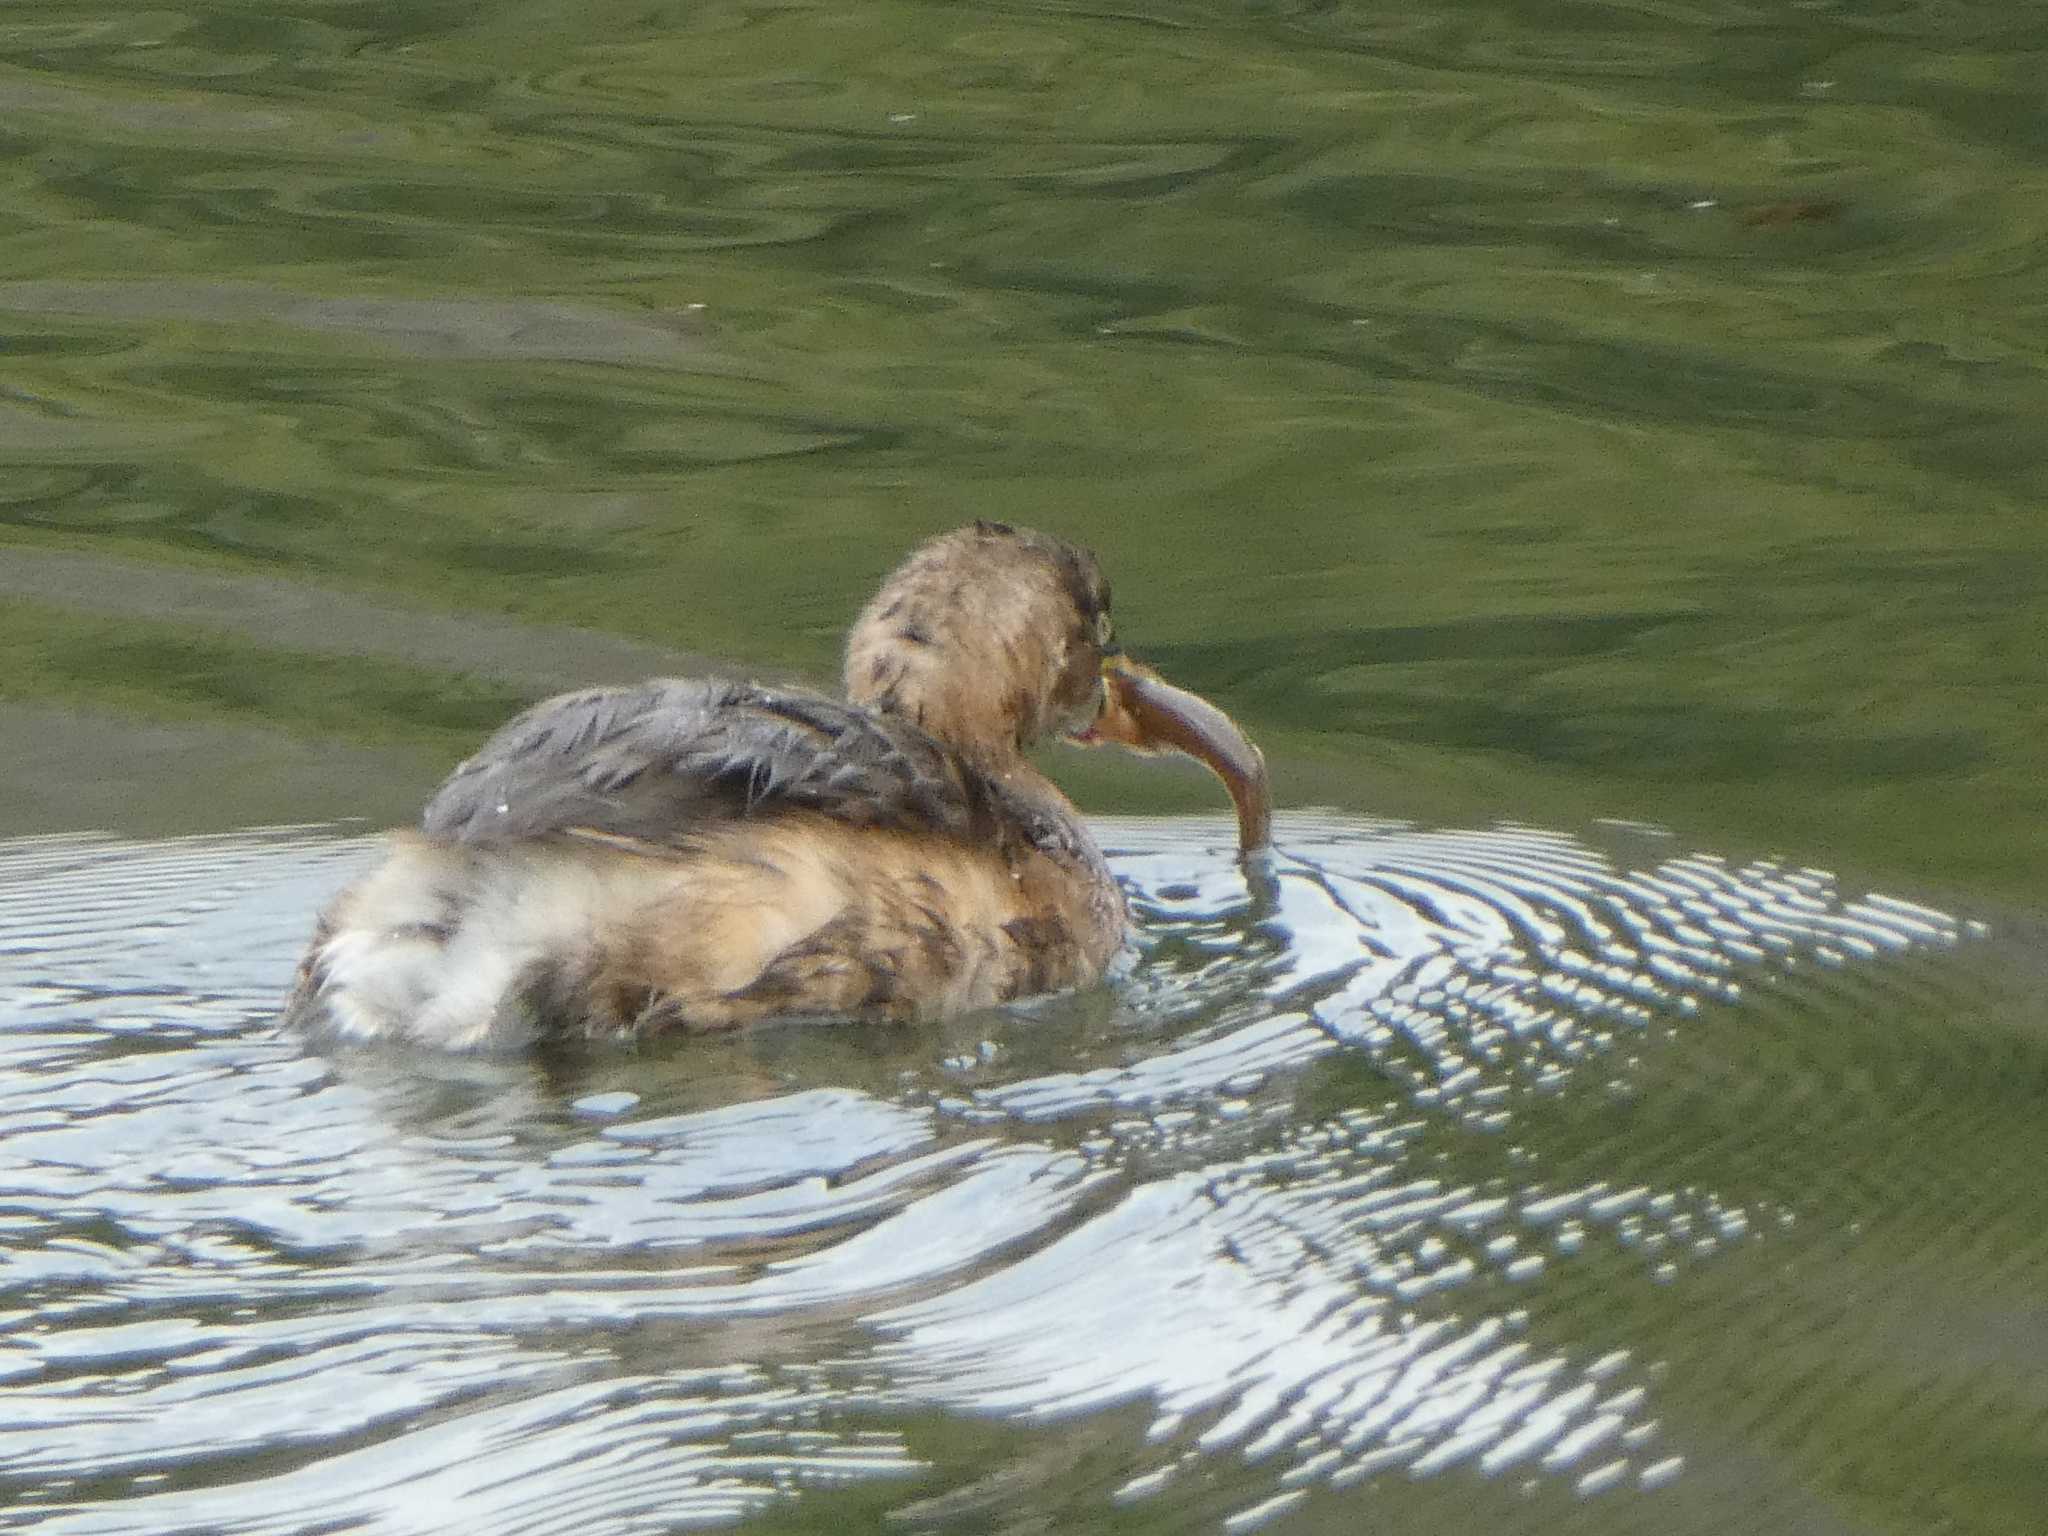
(657, 760)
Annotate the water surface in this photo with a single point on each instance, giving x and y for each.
(1486, 1158)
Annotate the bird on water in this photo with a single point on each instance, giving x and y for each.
(698, 854)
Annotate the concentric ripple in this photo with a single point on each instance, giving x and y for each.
(1295, 1191)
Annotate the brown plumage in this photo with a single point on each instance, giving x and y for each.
(689, 854)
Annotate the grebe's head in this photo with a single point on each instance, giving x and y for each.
(995, 639)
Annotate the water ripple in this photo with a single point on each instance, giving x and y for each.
(254, 1289)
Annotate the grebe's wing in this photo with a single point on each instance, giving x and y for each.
(658, 760)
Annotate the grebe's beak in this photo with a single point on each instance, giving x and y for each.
(1144, 712)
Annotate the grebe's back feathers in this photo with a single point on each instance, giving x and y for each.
(659, 761)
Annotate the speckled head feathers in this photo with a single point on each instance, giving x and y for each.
(989, 637)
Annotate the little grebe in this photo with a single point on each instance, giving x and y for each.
(695, 855)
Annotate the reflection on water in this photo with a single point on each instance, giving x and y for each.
(1368, 1171)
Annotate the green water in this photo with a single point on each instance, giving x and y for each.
(1549, 412)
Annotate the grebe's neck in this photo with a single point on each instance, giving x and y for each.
(983, 639)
